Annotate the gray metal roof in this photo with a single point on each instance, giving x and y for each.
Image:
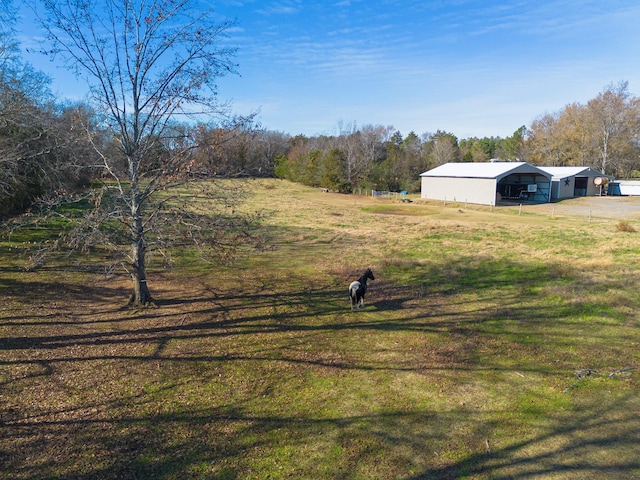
(564, 172)
(483, 170)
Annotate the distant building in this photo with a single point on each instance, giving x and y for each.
(486, 183)
(624, 187)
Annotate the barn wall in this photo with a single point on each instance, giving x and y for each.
(560, 190)
(472, 190)
(592, 188)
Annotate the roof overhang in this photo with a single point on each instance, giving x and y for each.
(495, 170)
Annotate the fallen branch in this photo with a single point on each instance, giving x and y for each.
(621, 372)
(587, 372)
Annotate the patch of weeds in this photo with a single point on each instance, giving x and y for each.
(624, 226)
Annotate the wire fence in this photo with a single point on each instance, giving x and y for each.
(388, 194)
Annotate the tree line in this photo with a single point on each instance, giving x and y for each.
(47, 146)
(603, 134)
(39, 146)
(381, 158)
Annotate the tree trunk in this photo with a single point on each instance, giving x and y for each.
(140, 295)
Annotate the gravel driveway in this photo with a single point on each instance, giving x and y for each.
(621, 208)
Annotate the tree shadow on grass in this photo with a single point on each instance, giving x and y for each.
(425, 305)
(223, 443)
(192, 342)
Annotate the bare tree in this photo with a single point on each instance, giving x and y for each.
(36, 141)
(613, 123)
(445, 148)
(348, 140)
(269, 146)
(602, 134)
(145, 62)
(541, 148)
(372, 144)
(242, 149)
(8, 43)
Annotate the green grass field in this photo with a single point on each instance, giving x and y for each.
(492, 345)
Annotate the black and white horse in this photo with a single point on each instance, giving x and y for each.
(358, 288)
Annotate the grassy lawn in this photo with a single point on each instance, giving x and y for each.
(492, 345)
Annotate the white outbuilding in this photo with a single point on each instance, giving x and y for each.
(568, 182)
(486, 183)
(624, 187)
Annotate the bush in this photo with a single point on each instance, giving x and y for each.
(623, 226)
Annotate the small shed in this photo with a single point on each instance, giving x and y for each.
(624, 187)
(486, 183)
(568, 182)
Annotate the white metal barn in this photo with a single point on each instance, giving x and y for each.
(486, 183)
(568, 182)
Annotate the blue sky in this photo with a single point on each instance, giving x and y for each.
(472, 68)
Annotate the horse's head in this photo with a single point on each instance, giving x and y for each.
(369, 274)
